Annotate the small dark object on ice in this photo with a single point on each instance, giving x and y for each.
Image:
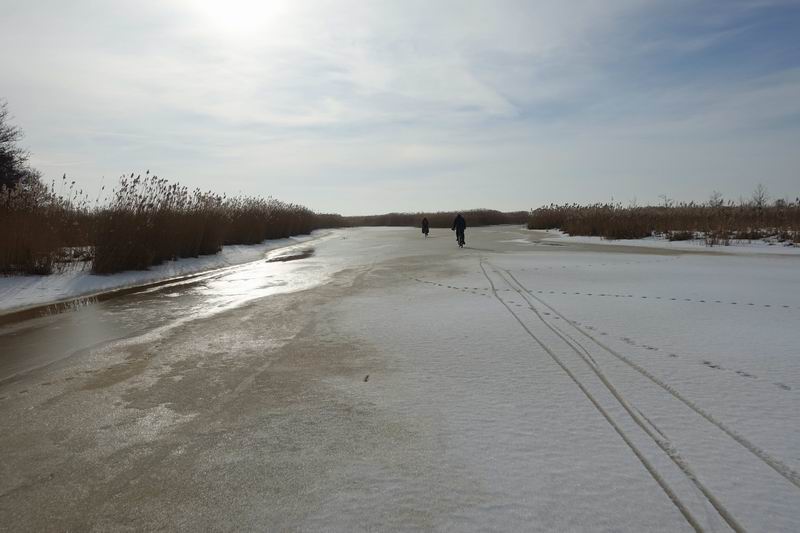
(366, 378)
(459, 225)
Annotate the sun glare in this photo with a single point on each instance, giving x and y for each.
(238, 19)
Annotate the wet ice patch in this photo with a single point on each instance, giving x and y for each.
(19, 292)
(517, 241)
(290, 254)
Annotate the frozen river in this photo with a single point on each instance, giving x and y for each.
(382, 381)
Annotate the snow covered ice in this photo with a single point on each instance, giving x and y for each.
(513, 385)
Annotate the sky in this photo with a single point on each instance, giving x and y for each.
(364, 107)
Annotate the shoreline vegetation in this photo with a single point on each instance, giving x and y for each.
(147, 220)
(440, 219)
(716, 221)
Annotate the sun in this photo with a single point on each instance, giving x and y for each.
(239, 19)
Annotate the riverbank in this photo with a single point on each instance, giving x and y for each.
(19, 293)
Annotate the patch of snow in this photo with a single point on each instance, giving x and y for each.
(531, 381)
(735, 247)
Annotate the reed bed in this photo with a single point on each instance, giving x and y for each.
(147, 220)
(42, 230)
(716, 222)
(150, 220)
(441, 219)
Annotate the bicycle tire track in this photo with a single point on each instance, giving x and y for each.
(665, 445)
(639, 455)
(775, 464)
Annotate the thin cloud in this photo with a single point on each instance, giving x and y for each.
(516, 102)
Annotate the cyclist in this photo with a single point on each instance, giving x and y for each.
(459, 225)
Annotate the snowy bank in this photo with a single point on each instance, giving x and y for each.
(22, 292)
(735, 247)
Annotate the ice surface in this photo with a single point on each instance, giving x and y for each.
(513, 386)
(686, 380)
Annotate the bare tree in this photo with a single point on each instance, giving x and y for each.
(13, 159)
(716, 199)
(760, 197)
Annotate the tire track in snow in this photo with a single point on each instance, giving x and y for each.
(784, 470)
(663, 443)
(639, 455)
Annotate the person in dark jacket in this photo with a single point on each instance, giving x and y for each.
(425, 226)
(459, 225)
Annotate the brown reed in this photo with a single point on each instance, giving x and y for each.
(147, 220)
(42, 229)
(150, 220)
(716, 221)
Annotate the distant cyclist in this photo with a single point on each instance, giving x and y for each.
(425, 226)
(459, 225)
